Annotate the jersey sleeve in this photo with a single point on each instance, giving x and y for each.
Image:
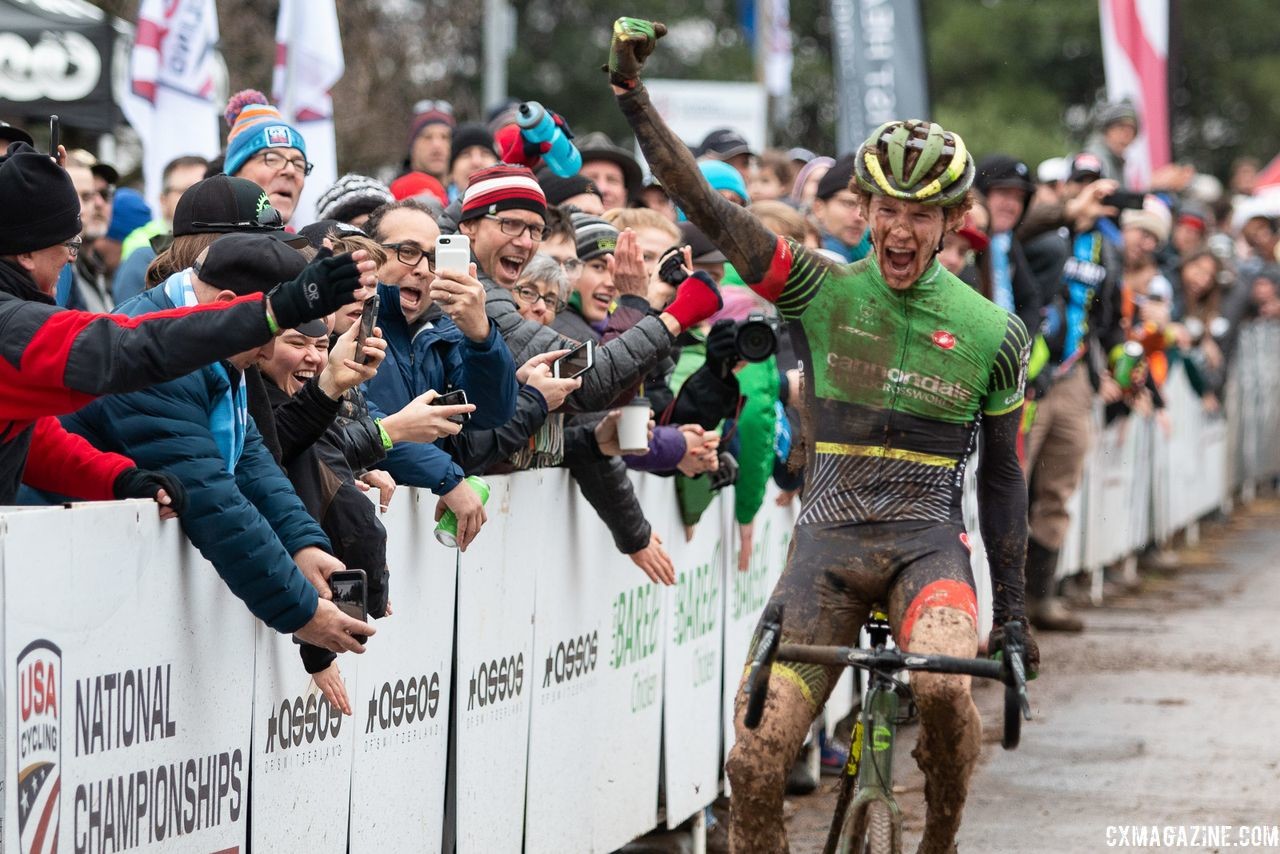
(1007, 382)
(794, 277)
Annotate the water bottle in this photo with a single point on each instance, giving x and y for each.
(537, 126)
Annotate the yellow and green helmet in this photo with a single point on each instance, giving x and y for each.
(941, 173)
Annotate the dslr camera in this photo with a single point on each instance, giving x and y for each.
(757, 338)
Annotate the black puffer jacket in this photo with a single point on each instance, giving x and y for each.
(603, 482)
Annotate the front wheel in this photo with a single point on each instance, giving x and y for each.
(1012, 718)
(879, 829)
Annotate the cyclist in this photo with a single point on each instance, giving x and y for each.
(904, 361)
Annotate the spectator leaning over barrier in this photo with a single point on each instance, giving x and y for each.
(263, 148)
(501, 215)
(1082, 300)
(430, 139)
(835, 207)
(439, 339)
(244, 516)
(56, 361)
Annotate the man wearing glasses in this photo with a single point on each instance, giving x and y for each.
(263, 148)
(504, 213)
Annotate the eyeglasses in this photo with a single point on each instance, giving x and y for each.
(267, 218)
(428, 106)
(73, 247)
(411, 254)
(277, 161)
(530, 296)
(515, 228)
(572, 267)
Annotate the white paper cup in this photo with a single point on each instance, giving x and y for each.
(633, 427)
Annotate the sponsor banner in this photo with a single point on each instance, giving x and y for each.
(401, 699)
(122, 731)
(747, 592)
(694, 671)
(495, 657)
(302, 752)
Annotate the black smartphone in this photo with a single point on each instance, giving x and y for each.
(576, 362)
(1125, 200)
(55, 136)
(367, 317)
(457, 397)
(351, 595)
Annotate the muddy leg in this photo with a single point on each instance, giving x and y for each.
(950, 728)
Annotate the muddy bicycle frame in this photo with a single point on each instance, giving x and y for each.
(869, 771)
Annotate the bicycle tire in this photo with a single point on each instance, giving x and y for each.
(1012, 718)
(879, 829)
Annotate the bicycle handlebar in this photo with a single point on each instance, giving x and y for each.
(888, 660)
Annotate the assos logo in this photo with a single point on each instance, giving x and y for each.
(495, 681)
(572, 659)
(39, 746)
(417, 700)
(302, 721)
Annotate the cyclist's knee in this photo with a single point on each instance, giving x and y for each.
(942, 619)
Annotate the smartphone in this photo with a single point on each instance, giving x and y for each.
(351, 595)
(1125, 200)
(457, 397)
(453, 253)
(367, 317)
(576, 362)
(55, 136)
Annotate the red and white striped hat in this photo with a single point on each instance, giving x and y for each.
(501, 188)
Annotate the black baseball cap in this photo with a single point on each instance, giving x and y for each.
(1002, 170)
(224, 205)
(837, 178)
(106, 172)
(700, 246)
(724, 143)
(248, 264)
(11, 133)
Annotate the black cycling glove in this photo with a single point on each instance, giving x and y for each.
(143, 483)
(995, 646)
(324, 286)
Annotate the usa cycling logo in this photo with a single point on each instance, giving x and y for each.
(39, 746)
(944, 339)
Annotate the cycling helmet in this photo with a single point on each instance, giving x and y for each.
(941, 175)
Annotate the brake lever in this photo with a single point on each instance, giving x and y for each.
(1016, 659)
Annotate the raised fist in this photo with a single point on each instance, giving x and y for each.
(633, 40)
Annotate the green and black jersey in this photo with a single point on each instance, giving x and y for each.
(896, 381)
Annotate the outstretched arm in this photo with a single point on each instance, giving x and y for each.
(743, 238)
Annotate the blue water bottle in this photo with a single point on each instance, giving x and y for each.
(537, 126)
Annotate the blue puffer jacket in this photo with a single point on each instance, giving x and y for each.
(247, 523)
(437, 356)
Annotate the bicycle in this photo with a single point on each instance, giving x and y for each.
(874, 825)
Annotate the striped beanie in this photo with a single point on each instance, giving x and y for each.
(592, 235)
(255, 125)
(352, 195)
(502, 188)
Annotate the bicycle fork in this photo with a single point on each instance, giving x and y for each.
(869, 771)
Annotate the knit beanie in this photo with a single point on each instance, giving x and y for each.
(255, 125)
(351, 196)
(468, 135)
(592, 235)
(502, 187)
(429, 112)
(128, 211)
(412, 184)
(39, 206)
(558, 189)
(722, 176)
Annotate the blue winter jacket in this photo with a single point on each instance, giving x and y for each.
(247, 523)
(437, 356)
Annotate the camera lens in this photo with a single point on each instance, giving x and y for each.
(756, 340)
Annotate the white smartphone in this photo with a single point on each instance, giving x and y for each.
(453, 253)
(576, 362)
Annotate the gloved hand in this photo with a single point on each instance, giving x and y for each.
(697, 298)
(995, 645)
(633, 40)
(324, 286)
(515, 148)
(722, 348)
(143, 483)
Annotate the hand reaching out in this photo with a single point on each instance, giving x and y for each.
(655, 562)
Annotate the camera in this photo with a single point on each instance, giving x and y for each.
(726, 474)
(757, 338)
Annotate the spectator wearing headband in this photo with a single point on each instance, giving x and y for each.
(265, 149)
(431, 139)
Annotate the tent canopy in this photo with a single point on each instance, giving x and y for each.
(56, 56)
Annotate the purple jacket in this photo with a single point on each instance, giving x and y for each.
(666, 450)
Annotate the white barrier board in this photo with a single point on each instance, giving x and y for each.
(401, 701)
(128, 675)
(495, 663)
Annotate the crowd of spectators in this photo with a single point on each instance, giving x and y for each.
(269, 442)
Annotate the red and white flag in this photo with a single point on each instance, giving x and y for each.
(1135, 55)
(308, 63)
(170, 101)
